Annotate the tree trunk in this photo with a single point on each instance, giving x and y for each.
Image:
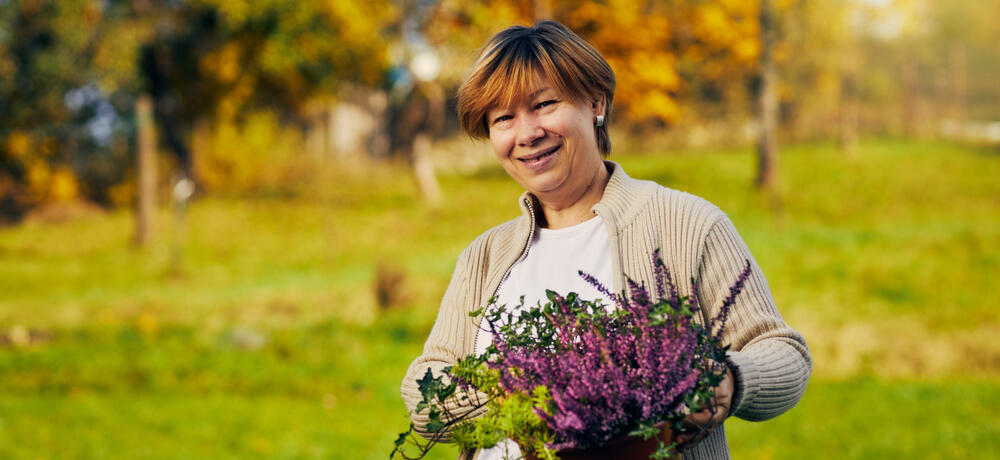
(146, 164)
(767, 98)
(912, 123)
(201, 138)
(957, 58)
(849, 103)
(423, 169)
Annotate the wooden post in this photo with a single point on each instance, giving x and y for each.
(423, 168)
(912, 123)
(201, 139)
(146, 165)
(767, 99)
(849, 102)
(957, 57)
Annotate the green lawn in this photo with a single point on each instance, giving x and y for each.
(265, 340)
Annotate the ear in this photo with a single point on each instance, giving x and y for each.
(599, 106)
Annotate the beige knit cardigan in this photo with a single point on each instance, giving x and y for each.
(697, 240)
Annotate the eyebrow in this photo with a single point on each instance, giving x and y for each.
(530, 96)
(540, 91)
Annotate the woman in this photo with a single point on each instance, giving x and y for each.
(542, 96)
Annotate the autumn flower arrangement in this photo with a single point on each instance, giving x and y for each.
(573, 374)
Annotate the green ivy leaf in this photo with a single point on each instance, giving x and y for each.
(647, 429)
(429, 385)
(446, 392)
(663, 451)
(400, 440)
(435, 424)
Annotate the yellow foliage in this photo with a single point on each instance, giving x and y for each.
(233, 12)
(654, 70)
(223, 63)
(122, 194)
(38, 174)
(646, 68)
(656, 104)
(648, 44)
(746, 49)
(18, 145)
(259, 153)
(63, 185)
(230, 103)
(713, 24)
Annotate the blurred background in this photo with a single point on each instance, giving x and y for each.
(225, 225)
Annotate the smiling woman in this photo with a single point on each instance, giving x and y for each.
(542, 96)
(544, 103)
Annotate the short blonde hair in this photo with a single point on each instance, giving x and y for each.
(511, 61)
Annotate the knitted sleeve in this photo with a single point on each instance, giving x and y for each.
(448, 341)
(771, 360)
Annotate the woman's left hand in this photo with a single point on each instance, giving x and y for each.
(697, 425)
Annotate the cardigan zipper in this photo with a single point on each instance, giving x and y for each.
(524, 253)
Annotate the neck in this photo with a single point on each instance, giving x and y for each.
(568, 209)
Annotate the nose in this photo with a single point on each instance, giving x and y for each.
(529, 130)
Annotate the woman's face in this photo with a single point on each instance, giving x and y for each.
(546, 141)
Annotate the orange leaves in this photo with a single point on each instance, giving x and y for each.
(223, 63)
(658, 51)
(729, 30)
(635, 39)
(18, 145)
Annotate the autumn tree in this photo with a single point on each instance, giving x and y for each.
(71, 70)
(56, 123)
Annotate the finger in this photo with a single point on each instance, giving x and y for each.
(683, 438)
(698, 419)
(720, 415)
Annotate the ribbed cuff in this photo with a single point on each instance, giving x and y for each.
(747, 381)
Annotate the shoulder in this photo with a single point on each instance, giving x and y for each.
(670, 207)
(686, 207)
(636, 200)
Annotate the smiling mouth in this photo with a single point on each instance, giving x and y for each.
(541, 156)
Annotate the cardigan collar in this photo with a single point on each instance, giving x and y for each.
(623, 197)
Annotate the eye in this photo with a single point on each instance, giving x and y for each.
(501, 118)
(545, 103)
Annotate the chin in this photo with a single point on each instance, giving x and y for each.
(543, 183)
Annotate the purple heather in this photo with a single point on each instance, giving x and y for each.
(606, 372)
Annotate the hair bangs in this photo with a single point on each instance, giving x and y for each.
(514, 68)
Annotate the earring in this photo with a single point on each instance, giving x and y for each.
(600, 121)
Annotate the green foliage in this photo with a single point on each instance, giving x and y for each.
(514, 416)
(506, 415)
(646, 429)
(664, 451)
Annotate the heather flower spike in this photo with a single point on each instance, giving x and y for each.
(570, 374)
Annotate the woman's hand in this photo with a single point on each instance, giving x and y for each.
(699, 424)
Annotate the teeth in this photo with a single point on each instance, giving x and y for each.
(539, 157)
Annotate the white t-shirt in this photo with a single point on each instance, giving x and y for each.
(554, 259)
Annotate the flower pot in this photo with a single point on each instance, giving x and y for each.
(622, 448)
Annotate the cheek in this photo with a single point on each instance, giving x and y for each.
(501, 144)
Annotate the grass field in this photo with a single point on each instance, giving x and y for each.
(253, 332)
